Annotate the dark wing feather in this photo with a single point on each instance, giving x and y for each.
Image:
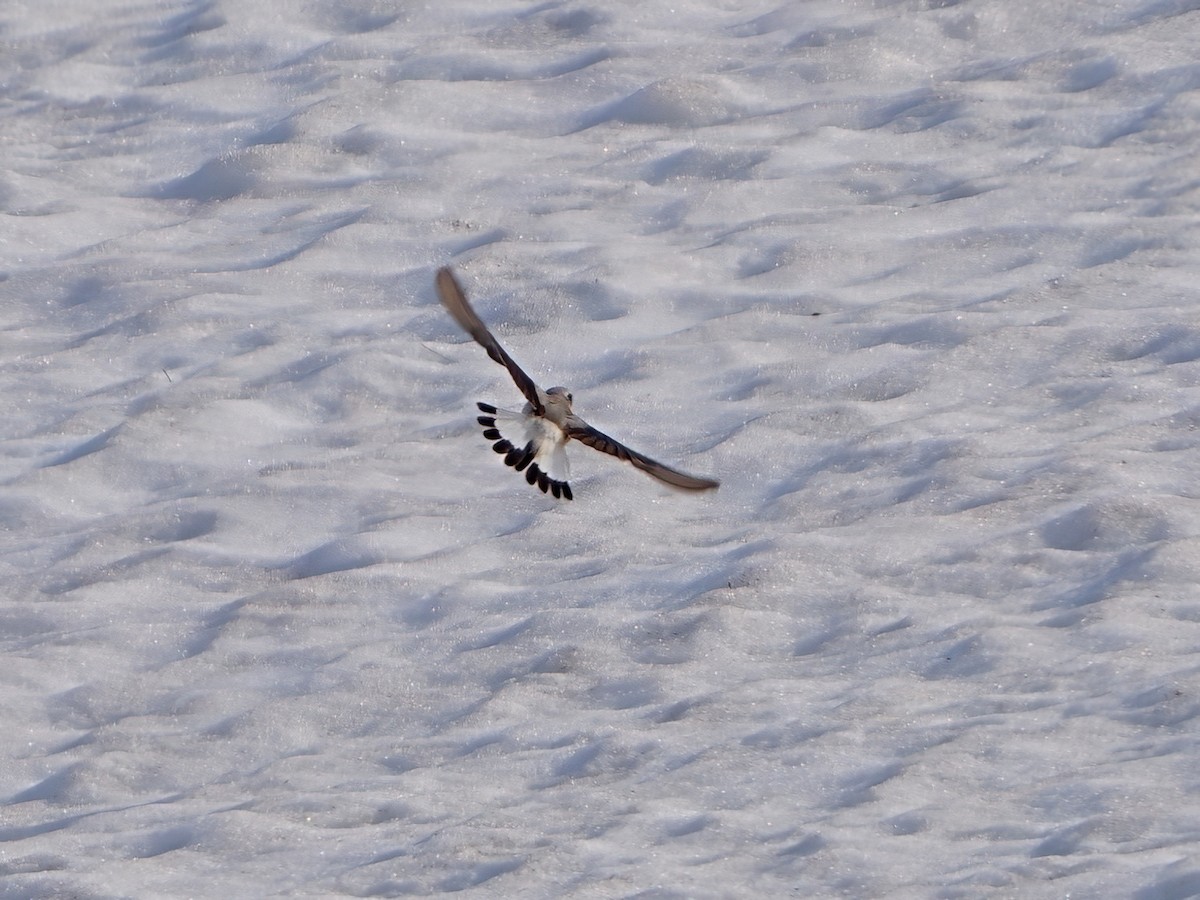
(455, 301)
(598, 440)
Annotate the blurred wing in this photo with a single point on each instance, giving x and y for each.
(581, 431)
(455, 301)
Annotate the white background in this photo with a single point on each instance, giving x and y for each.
(916, 280)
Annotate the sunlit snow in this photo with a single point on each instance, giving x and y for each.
(916, 279)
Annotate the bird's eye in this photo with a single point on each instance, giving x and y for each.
(570, 399)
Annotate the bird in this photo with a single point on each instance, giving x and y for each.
(532, 441)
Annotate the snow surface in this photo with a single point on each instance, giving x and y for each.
(915, 278)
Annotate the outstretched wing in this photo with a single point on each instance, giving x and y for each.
(455, 301)
(576, 428)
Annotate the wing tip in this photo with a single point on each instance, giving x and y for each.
(691, 483)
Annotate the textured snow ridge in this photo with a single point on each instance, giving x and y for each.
(916, 280)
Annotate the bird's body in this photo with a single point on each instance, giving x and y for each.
(548, 420)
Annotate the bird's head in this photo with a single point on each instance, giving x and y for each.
(560, 397)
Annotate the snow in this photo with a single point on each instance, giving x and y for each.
(915, 279)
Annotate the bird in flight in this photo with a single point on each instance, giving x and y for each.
(538, 434)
